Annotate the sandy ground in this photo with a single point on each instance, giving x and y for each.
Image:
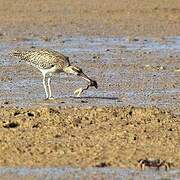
(89, 137)
(116, 136)
(22, 19)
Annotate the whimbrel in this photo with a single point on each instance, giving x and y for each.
(49, 62)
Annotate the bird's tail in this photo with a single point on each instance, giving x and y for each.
(16, 53)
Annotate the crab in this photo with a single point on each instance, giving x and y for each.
(80, 90)
(157, 163)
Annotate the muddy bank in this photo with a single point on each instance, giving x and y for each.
(117, 137)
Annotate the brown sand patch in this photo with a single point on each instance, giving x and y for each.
(87, 137)
(103, 18)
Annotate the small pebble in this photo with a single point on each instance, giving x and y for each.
(84, 101)
(6, 102)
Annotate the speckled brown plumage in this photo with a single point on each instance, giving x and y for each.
(43, 58)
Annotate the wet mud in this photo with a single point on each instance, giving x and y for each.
(88, 173)
(140, 72)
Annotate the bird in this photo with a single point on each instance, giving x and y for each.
(49, 62)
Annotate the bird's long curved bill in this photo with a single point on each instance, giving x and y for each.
(85, 77)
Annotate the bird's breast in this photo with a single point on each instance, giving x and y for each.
(50, 70)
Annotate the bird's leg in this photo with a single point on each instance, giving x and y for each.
(45, 87)
(49, 87)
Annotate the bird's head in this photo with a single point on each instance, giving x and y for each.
(78, 71)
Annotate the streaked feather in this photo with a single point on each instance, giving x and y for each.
(43, 58)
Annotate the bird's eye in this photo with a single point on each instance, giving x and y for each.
(52, 65)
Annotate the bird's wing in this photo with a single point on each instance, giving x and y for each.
(43, 58)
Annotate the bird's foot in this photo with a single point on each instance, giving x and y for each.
(78, 92)
(50, 98)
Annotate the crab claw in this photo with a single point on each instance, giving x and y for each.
(78, 92)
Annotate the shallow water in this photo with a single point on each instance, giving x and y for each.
(88, 173)
(139, 72)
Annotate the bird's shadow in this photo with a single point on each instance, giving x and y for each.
(95, 97)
